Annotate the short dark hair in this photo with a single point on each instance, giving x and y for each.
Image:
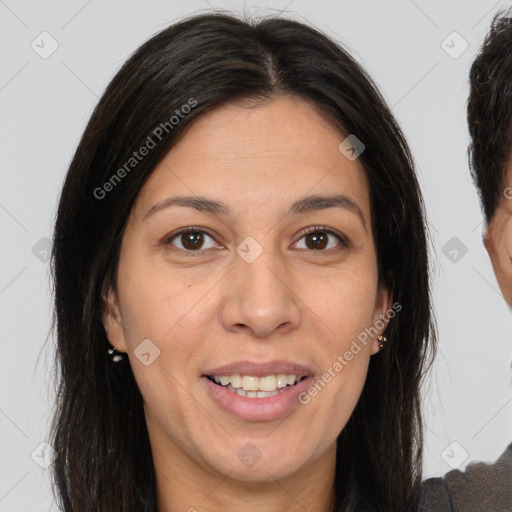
(104, 460)
(489, 113)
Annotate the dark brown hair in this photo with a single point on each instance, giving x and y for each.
(489, 113)
(104, 458)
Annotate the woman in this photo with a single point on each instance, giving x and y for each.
(241, 230)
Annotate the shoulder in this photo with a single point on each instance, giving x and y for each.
(480, 488)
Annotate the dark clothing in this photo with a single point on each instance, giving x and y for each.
(480, 488)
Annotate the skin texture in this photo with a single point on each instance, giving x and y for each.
(498, 239)
(214, 308)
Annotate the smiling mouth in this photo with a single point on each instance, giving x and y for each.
(256, 387)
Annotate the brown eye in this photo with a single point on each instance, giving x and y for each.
(316, 241)
(190, 239)
(318, 238)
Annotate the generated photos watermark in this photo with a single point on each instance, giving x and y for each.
(145, 149)
(342, 360)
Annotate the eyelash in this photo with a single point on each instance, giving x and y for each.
(167, 241)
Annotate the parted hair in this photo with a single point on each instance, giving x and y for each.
(104, 461)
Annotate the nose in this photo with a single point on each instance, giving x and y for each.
(259, 297)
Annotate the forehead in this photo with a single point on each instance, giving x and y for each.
(265, 154)
(288, 125)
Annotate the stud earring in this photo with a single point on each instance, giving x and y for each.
(382, 340)
(116, 356)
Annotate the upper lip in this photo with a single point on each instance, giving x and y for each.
(261, 369)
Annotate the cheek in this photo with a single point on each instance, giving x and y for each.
(345, 303)
(175, 315)
(155, 302)
(172, 315)
(344, 311)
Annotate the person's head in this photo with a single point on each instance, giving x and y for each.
(489, 116)
(296, 249)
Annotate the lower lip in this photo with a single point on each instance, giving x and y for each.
(257, 409)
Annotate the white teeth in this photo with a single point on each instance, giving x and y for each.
(251, 383)
(267, 383)
(224, 380)
(281, 380)
(253, 394)
(264, 394)
(236, 381)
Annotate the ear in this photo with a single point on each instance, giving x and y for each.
(383, 305)
(498, 242)
(112, 321)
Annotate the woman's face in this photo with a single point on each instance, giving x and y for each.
(249, 295)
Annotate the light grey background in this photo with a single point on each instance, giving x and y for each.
(45, 104)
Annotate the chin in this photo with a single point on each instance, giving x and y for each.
(252, 464)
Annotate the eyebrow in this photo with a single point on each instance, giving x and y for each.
(304, 205)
